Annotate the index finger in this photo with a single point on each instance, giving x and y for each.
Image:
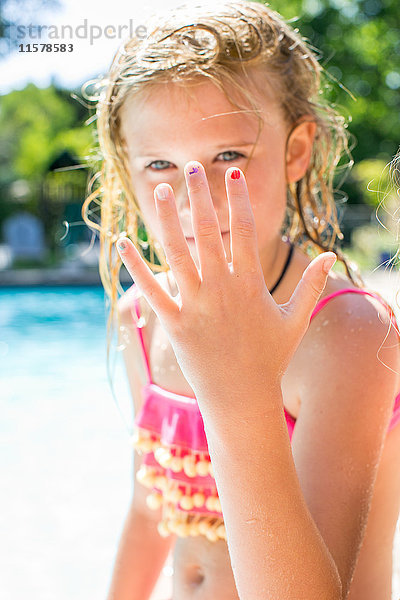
(160, 301)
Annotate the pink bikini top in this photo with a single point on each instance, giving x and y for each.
(176, 466)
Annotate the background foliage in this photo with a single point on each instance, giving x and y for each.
(358, 43)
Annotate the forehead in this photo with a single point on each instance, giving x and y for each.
(199, 109)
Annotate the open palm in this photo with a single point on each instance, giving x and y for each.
(224, 323)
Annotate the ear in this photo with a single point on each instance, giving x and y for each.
(298, 150)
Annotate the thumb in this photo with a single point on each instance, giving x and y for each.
(310, 288)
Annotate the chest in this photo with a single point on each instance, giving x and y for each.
(166, 372)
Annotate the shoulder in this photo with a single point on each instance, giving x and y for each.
(135, 346)
(126, 303)
(355, 355)
(351, 319)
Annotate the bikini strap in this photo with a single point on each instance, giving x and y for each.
(140, 334)
(375, 295)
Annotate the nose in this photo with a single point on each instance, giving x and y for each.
(218, 196)
(183, 204)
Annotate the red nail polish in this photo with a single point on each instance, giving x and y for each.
(235, 174)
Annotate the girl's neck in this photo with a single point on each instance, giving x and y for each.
(273, 258)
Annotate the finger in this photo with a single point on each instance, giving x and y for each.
(310, 288)
(206, 229)
(244, 245)
(175, 246)
(160, 301)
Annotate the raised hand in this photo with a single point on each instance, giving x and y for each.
(225, 328)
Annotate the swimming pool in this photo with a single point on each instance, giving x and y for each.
(65, 445)
(66, 454)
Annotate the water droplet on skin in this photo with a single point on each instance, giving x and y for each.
(156, 369)
(318, 328)
(349, 312)
(141, 322)
(325, 323)
(162, 370)
(164, 346)
(369, 322)
(124, 334)
(360, 329)
(168, 571)
(351, 330)
(172, 368)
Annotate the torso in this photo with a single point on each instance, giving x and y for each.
(202, 569)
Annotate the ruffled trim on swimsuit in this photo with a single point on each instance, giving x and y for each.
(176, 466)
(186, 510)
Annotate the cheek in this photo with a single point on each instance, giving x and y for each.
(145, 199)
(268, 201)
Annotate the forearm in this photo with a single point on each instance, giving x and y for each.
(141, 555)
(275, 547)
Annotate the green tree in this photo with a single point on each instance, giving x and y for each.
(359, 42)
(35, 125)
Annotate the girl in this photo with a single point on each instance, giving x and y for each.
(266, 447)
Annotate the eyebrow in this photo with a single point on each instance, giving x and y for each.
(238, 144)
(152, 151)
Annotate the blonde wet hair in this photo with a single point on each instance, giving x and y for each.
(219, 42)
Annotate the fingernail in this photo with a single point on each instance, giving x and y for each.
(235, 174)
(192, 169)
(121, 245)
(328, 264)
(162, 191)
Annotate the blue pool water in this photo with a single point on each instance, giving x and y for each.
(67, 463)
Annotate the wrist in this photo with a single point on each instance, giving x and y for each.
(231, 391)
(234, 413)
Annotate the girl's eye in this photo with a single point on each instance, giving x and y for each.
(158, 167)
(230, 153)
(161, 165)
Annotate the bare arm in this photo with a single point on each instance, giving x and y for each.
(296, 516)
(141, 555)
(142, 551)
